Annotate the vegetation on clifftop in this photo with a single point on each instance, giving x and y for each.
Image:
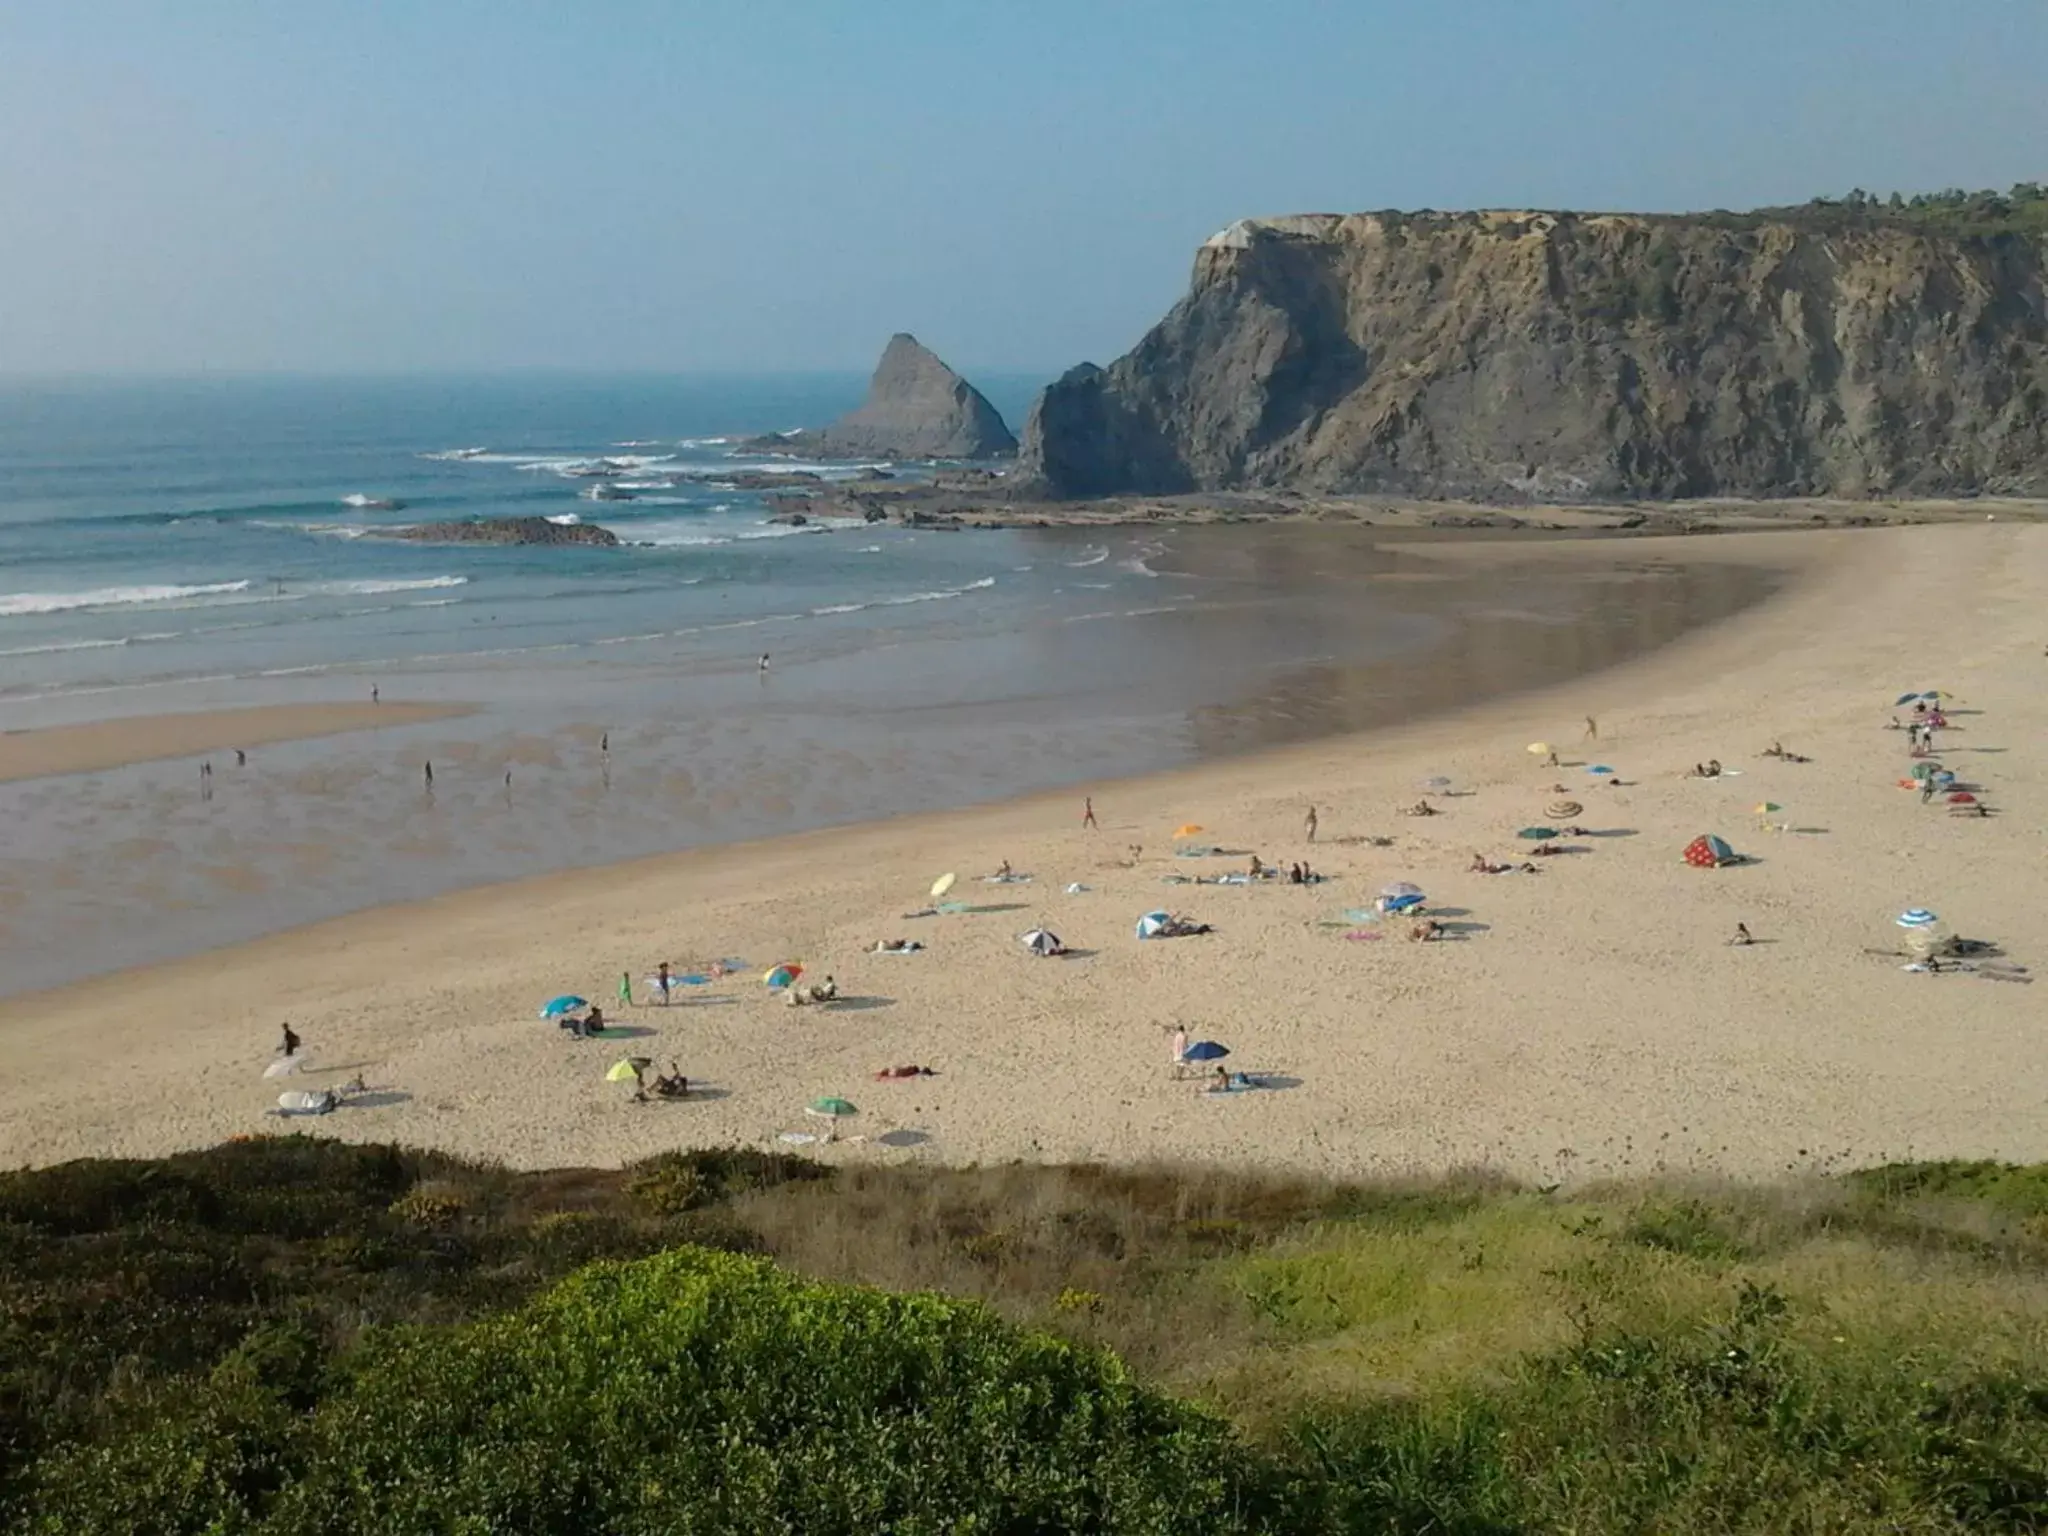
(288, 1335)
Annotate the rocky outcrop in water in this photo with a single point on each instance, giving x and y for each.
(1554, 356)
(508, 530)
(917, 408)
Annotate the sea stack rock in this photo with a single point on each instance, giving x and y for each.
(1542, 356)
(917, 408)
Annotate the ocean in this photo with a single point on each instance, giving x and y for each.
(207, 544)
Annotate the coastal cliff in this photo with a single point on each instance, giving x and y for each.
(1535, 356)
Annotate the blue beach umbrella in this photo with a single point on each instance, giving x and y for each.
(1904, 699)
(568, 1002)
(1600, 768)
(1397, 904)
(1917, 917)
(1152, 924)
(1205, 1050)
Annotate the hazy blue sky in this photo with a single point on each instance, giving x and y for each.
(352, 185)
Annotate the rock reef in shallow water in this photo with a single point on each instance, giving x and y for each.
(508, 530)
(1535, 356)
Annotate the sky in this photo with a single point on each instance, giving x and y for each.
(768, 185)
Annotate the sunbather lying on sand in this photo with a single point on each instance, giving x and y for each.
(1420, 808)
(1180, 927)
(1479, 866)
(1427, 932)
(671, 1084)
(1545, 850)
(896, 947)
(888, 1074)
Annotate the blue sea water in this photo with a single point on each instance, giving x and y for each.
(160, 532)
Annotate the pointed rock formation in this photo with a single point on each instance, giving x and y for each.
(917, 408)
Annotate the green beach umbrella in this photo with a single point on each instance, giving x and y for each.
(1538, 834)
(830, 1108)
(1925, 770)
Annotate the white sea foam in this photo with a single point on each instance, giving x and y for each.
(372, 588)
(20, 604)
(1095, 556)
(565, 519)
(61, 645)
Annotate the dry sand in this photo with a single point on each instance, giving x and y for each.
(61, 749)
(1588, 1019)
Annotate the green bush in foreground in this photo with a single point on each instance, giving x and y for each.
(692, 1392)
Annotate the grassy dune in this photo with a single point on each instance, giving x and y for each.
(203, 1342)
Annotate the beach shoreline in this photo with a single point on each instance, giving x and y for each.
(52, 751)
(1522, 1046)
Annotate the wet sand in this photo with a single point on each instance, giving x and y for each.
(1589, 1019)
(101, 744)
(1249, 639)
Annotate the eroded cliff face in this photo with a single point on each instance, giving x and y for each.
(1534, 355)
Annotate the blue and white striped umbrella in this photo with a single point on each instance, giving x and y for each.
(1917, 917)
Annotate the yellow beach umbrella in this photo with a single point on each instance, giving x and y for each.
(1190, 830)
(943, 884)
(628, 1069)
(1540, 749)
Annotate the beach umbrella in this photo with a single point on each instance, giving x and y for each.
(830, 1108)
(1962, 797)
(1205, 1050)
(1399, 889)
(1437, 783)
(943, 884)
(1766, 807)
(1933, 693)
(1041, 942)
(1564, 809)
(287, 1066)
(1917, 917)
(1600, 769)
(1540, 749)
(1708, 852)
(628, 1069)
(1538, 834)
(1944, 780)
(782, 975)
(1152, 924)
(1189, 830)
(1397, 904)
(1926, 770)
(1904, 699)
(1923, 930)
(568, 1002)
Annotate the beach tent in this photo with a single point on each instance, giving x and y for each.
(1708, 852)
(1152, 924)
(1041, 942)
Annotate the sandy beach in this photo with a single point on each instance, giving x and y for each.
(1588, 1019)
(63, 749)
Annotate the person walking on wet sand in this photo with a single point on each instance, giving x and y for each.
(430, 775)
(373, 693)
(1308, 824)
(1592, 729)
(1088, 811)
(241, 758)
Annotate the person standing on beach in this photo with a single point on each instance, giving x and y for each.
(291, 1043)
(1592, 729)
(241, 758)
(1308, 824)
(373, 693)
(206, 781)
(1088, 811)
(1179, 1045)
(430, 775)
(764, 661)
(661, 981)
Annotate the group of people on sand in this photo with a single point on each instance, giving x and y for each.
(1711, 769)
(1481, 866)
(803, 995)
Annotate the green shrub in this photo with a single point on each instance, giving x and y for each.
(693, 1391)
(1689, 1227)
